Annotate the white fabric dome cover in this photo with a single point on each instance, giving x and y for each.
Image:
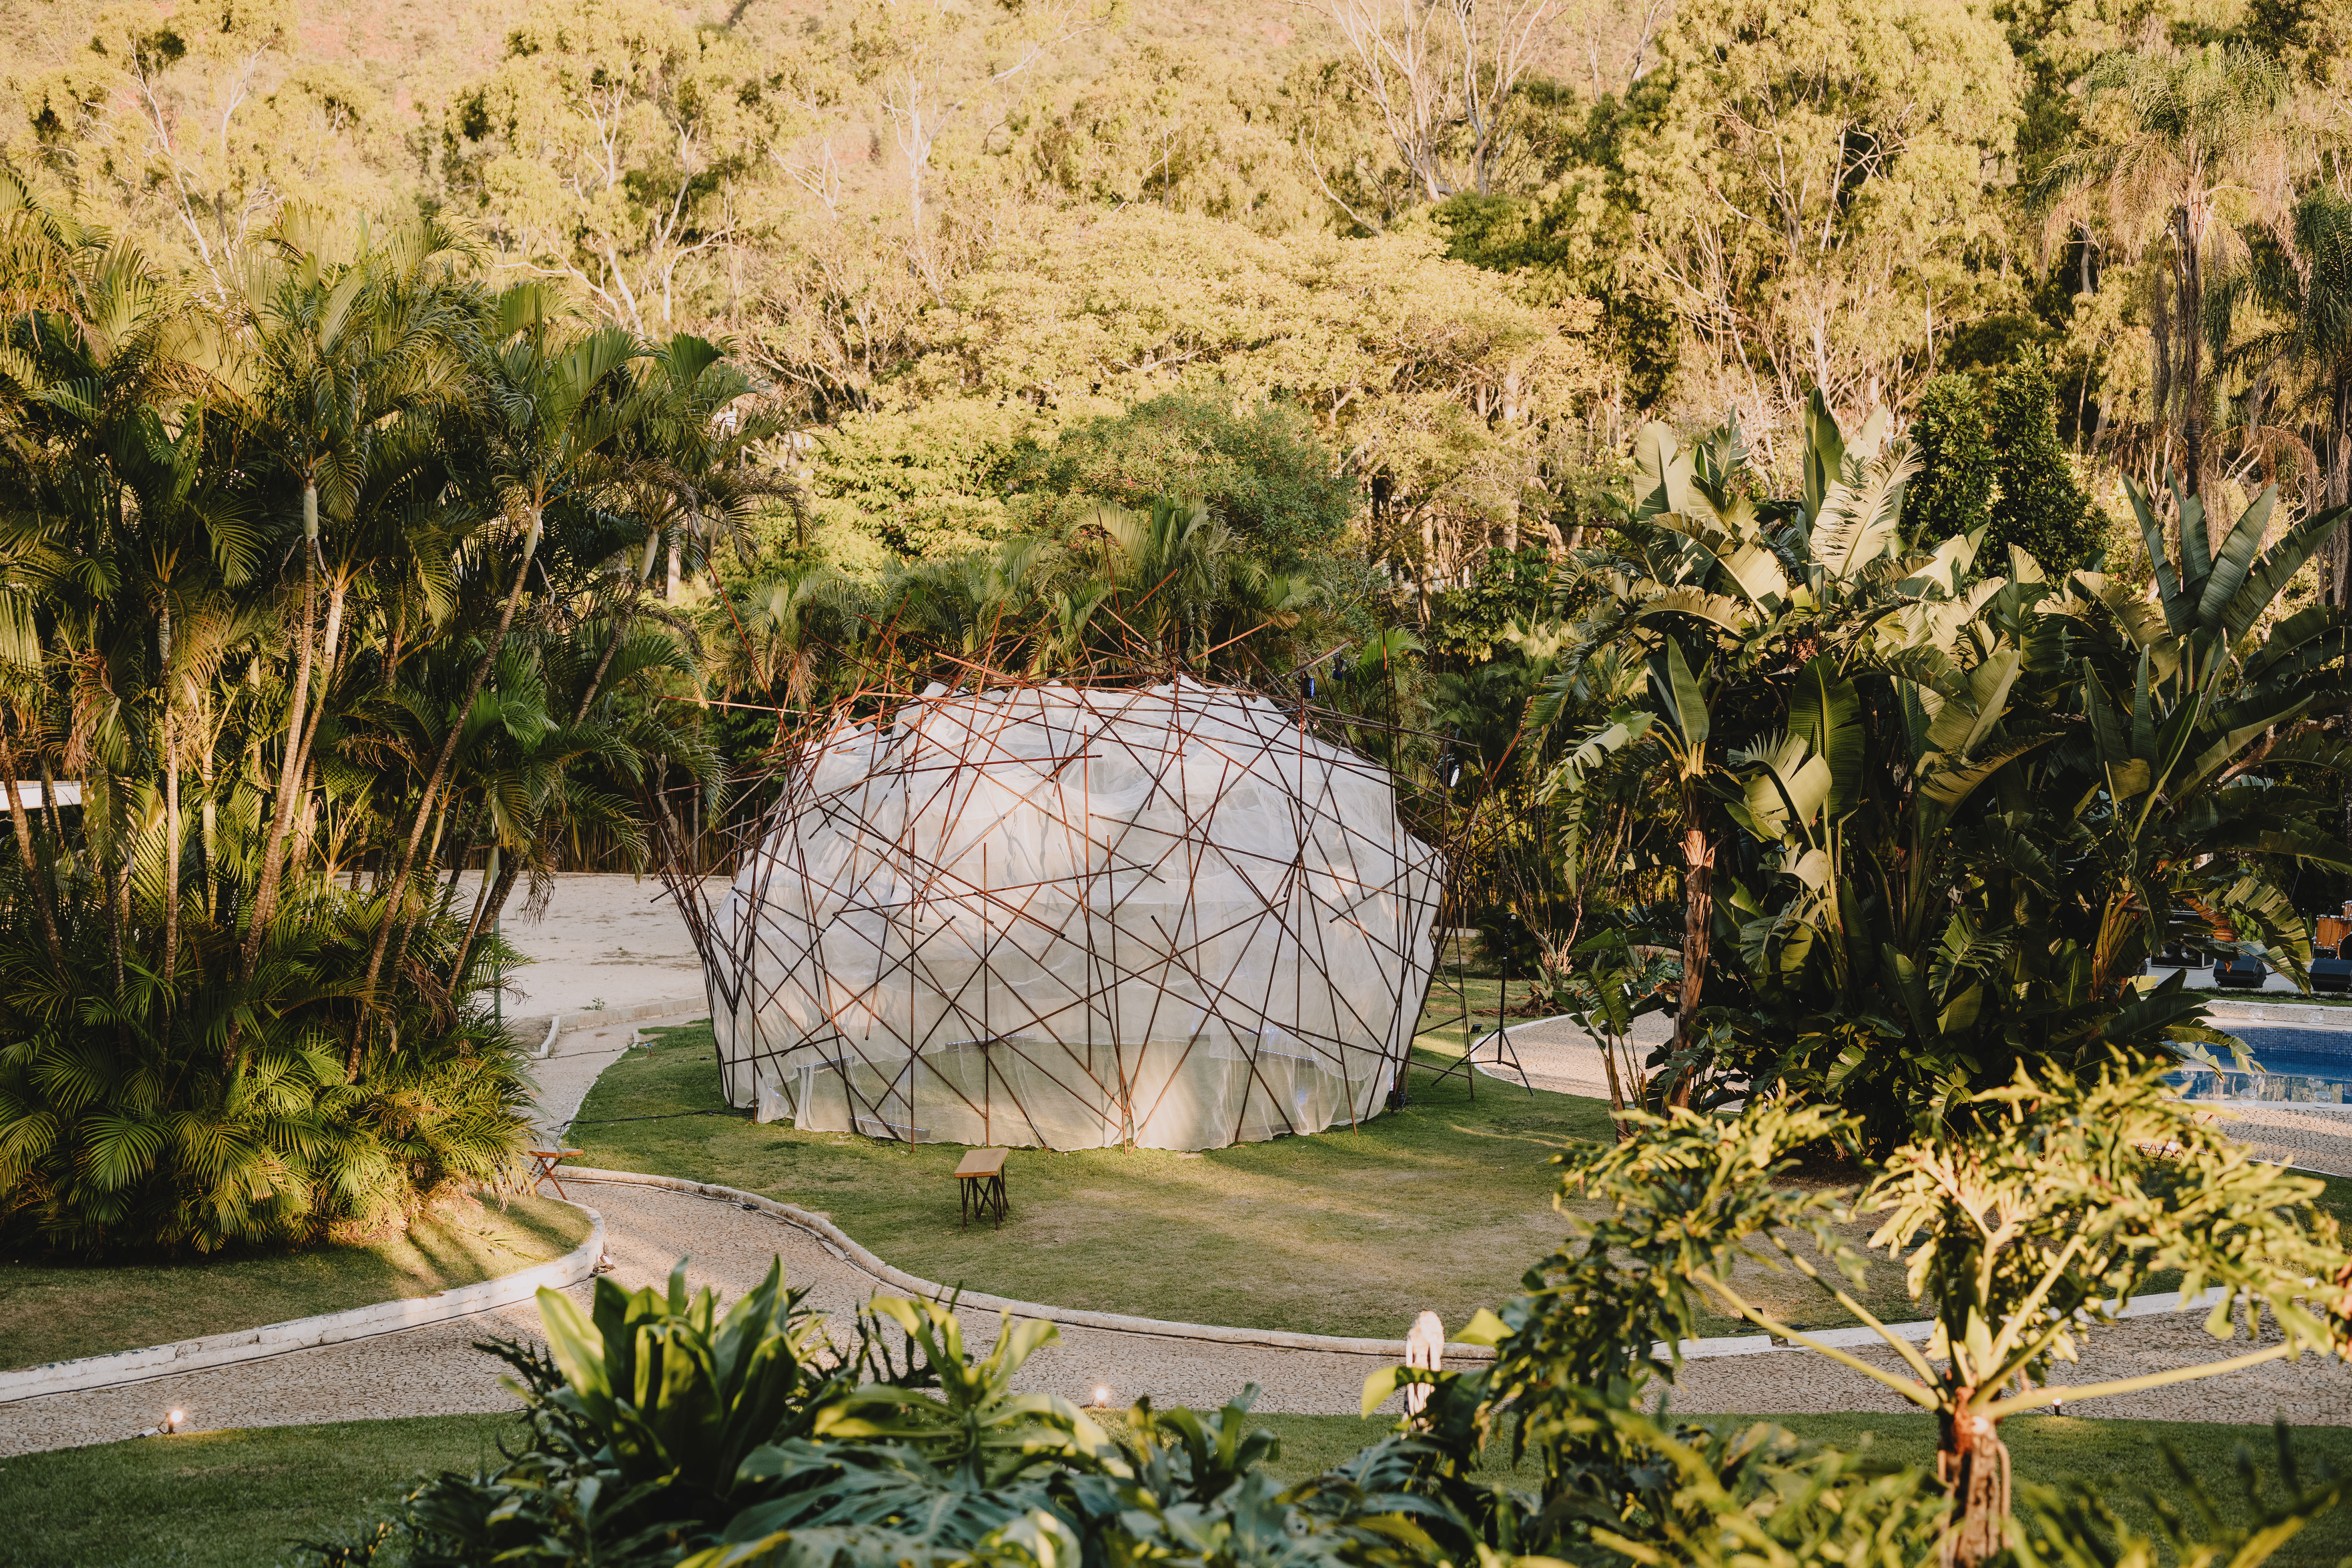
(1073, 917)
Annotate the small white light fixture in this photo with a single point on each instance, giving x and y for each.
(1102, 1397)
(174, 1420)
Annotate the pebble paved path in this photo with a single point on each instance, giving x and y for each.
(435, 1370)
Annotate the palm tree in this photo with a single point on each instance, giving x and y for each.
(2181, 136)
(2309, 283)
(549, 409)
(339, 342)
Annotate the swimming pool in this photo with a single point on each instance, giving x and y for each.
(2308, 1067)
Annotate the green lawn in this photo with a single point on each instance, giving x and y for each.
(1440, 1206)
(225, 1499)
(56, 1311)
(238, 1499)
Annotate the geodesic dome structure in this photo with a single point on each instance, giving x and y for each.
(1076, 916)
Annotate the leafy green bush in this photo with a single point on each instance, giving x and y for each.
(1952, 492)
(1267, 473)
(662, 1433)
(2043, 509)
(1989, 458)
(199, 1111)
(1511, 585)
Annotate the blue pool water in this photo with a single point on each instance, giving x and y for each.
(2311, 1066)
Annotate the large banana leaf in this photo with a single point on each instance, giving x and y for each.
(2229, 567)
(1825, 713)
(1682, 705)
(1969, 715)
(2281, 561)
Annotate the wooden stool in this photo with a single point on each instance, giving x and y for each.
(980, 1183)
(548, 1159)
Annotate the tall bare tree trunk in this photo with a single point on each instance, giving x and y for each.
(2336, 561)
(2191, 328)
(33, 880)
(289, 774)
(170, 818)
(171, 865)
(208, 831)
(495, 889)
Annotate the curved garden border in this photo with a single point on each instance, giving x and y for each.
(838, 1242)
(88, 1372)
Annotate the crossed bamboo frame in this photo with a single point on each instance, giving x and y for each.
(1392, 919)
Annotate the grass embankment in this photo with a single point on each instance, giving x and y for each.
(238, 1499)
(57, 1311)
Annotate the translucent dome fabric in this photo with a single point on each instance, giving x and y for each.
(1073, 917)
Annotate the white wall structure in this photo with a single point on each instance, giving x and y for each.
(1071, 917)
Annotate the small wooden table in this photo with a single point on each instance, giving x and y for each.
(980, 1183)
(548, 1159)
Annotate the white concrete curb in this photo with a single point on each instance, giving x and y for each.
(304, 1334)
(839, 1244)
(2309, 1016)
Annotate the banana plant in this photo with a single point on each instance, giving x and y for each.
(1932, 816)
(1720, 600)
(1612, 986)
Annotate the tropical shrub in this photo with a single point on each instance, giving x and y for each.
(1932, 819)
(2043, 510)
(316, 589)
(1989, 458)
(1952, 493)
(1265, 474)
(2022, 1232)
(200, 1109)
(663, 1432)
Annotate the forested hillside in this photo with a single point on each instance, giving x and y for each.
(944, 235)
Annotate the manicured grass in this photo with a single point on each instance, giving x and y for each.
(236, 1499)
(1440, 1206)
(225, 1499)
(56, 1311)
